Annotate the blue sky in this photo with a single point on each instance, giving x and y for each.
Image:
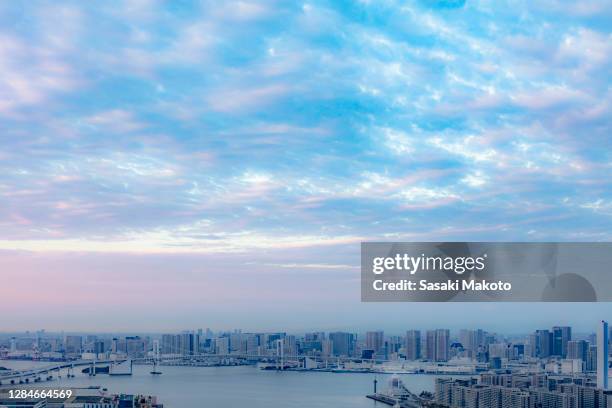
(158, 143)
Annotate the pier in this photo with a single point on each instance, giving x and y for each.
(397, 395)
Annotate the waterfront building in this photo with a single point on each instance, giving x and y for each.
(413, 345)
(252, 345)
(508, 390)
(438, 344)
(222, 345)
(135, 346)
(186, 343)
(290, 345)
(114, 345)
(343, 344)
(99, 347)
(73, 344)
(392, 346)
(169, 344)
(375, 341)
(235, 341)
(451, 392)
(327, 347)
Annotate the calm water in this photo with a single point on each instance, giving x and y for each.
(246, 386)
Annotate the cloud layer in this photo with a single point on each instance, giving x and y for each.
(234, 126)
(276, 127)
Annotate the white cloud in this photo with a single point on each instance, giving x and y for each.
(176, 241)
(427, 197)
(476, 179)
(469, 147)
(312, 266)
(397, 141)
(599, 206)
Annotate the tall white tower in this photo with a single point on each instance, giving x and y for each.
(156, 349)
(602, 355)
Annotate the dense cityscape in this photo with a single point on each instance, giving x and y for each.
(551, 367)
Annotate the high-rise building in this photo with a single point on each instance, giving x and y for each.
(430, 345)
(156, 349)
(74, 344)
(114, 345)
(186, 343)
(472, 340)
(602, 355)
(543, 343)
(438, 344)
(442, 344)
(393, 345)
(327, 347)
(252, 344)
(343, 344)
(591, 363)
(135, 346)
(561, 335)
(222, 345)
(313, 342)
(169, 344)
(413, 345)
(235, 340)
(374, 341)
(290, 345)
(99, 347)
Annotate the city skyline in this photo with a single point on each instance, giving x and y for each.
(376, 331)
(479, 368)
(437, 345)
(199, 161)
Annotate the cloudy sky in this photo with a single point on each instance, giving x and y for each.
(218, 163)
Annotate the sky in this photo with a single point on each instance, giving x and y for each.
(169, 165)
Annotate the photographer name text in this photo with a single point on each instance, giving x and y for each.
(450, 285)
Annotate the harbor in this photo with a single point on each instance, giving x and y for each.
(186, 386)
